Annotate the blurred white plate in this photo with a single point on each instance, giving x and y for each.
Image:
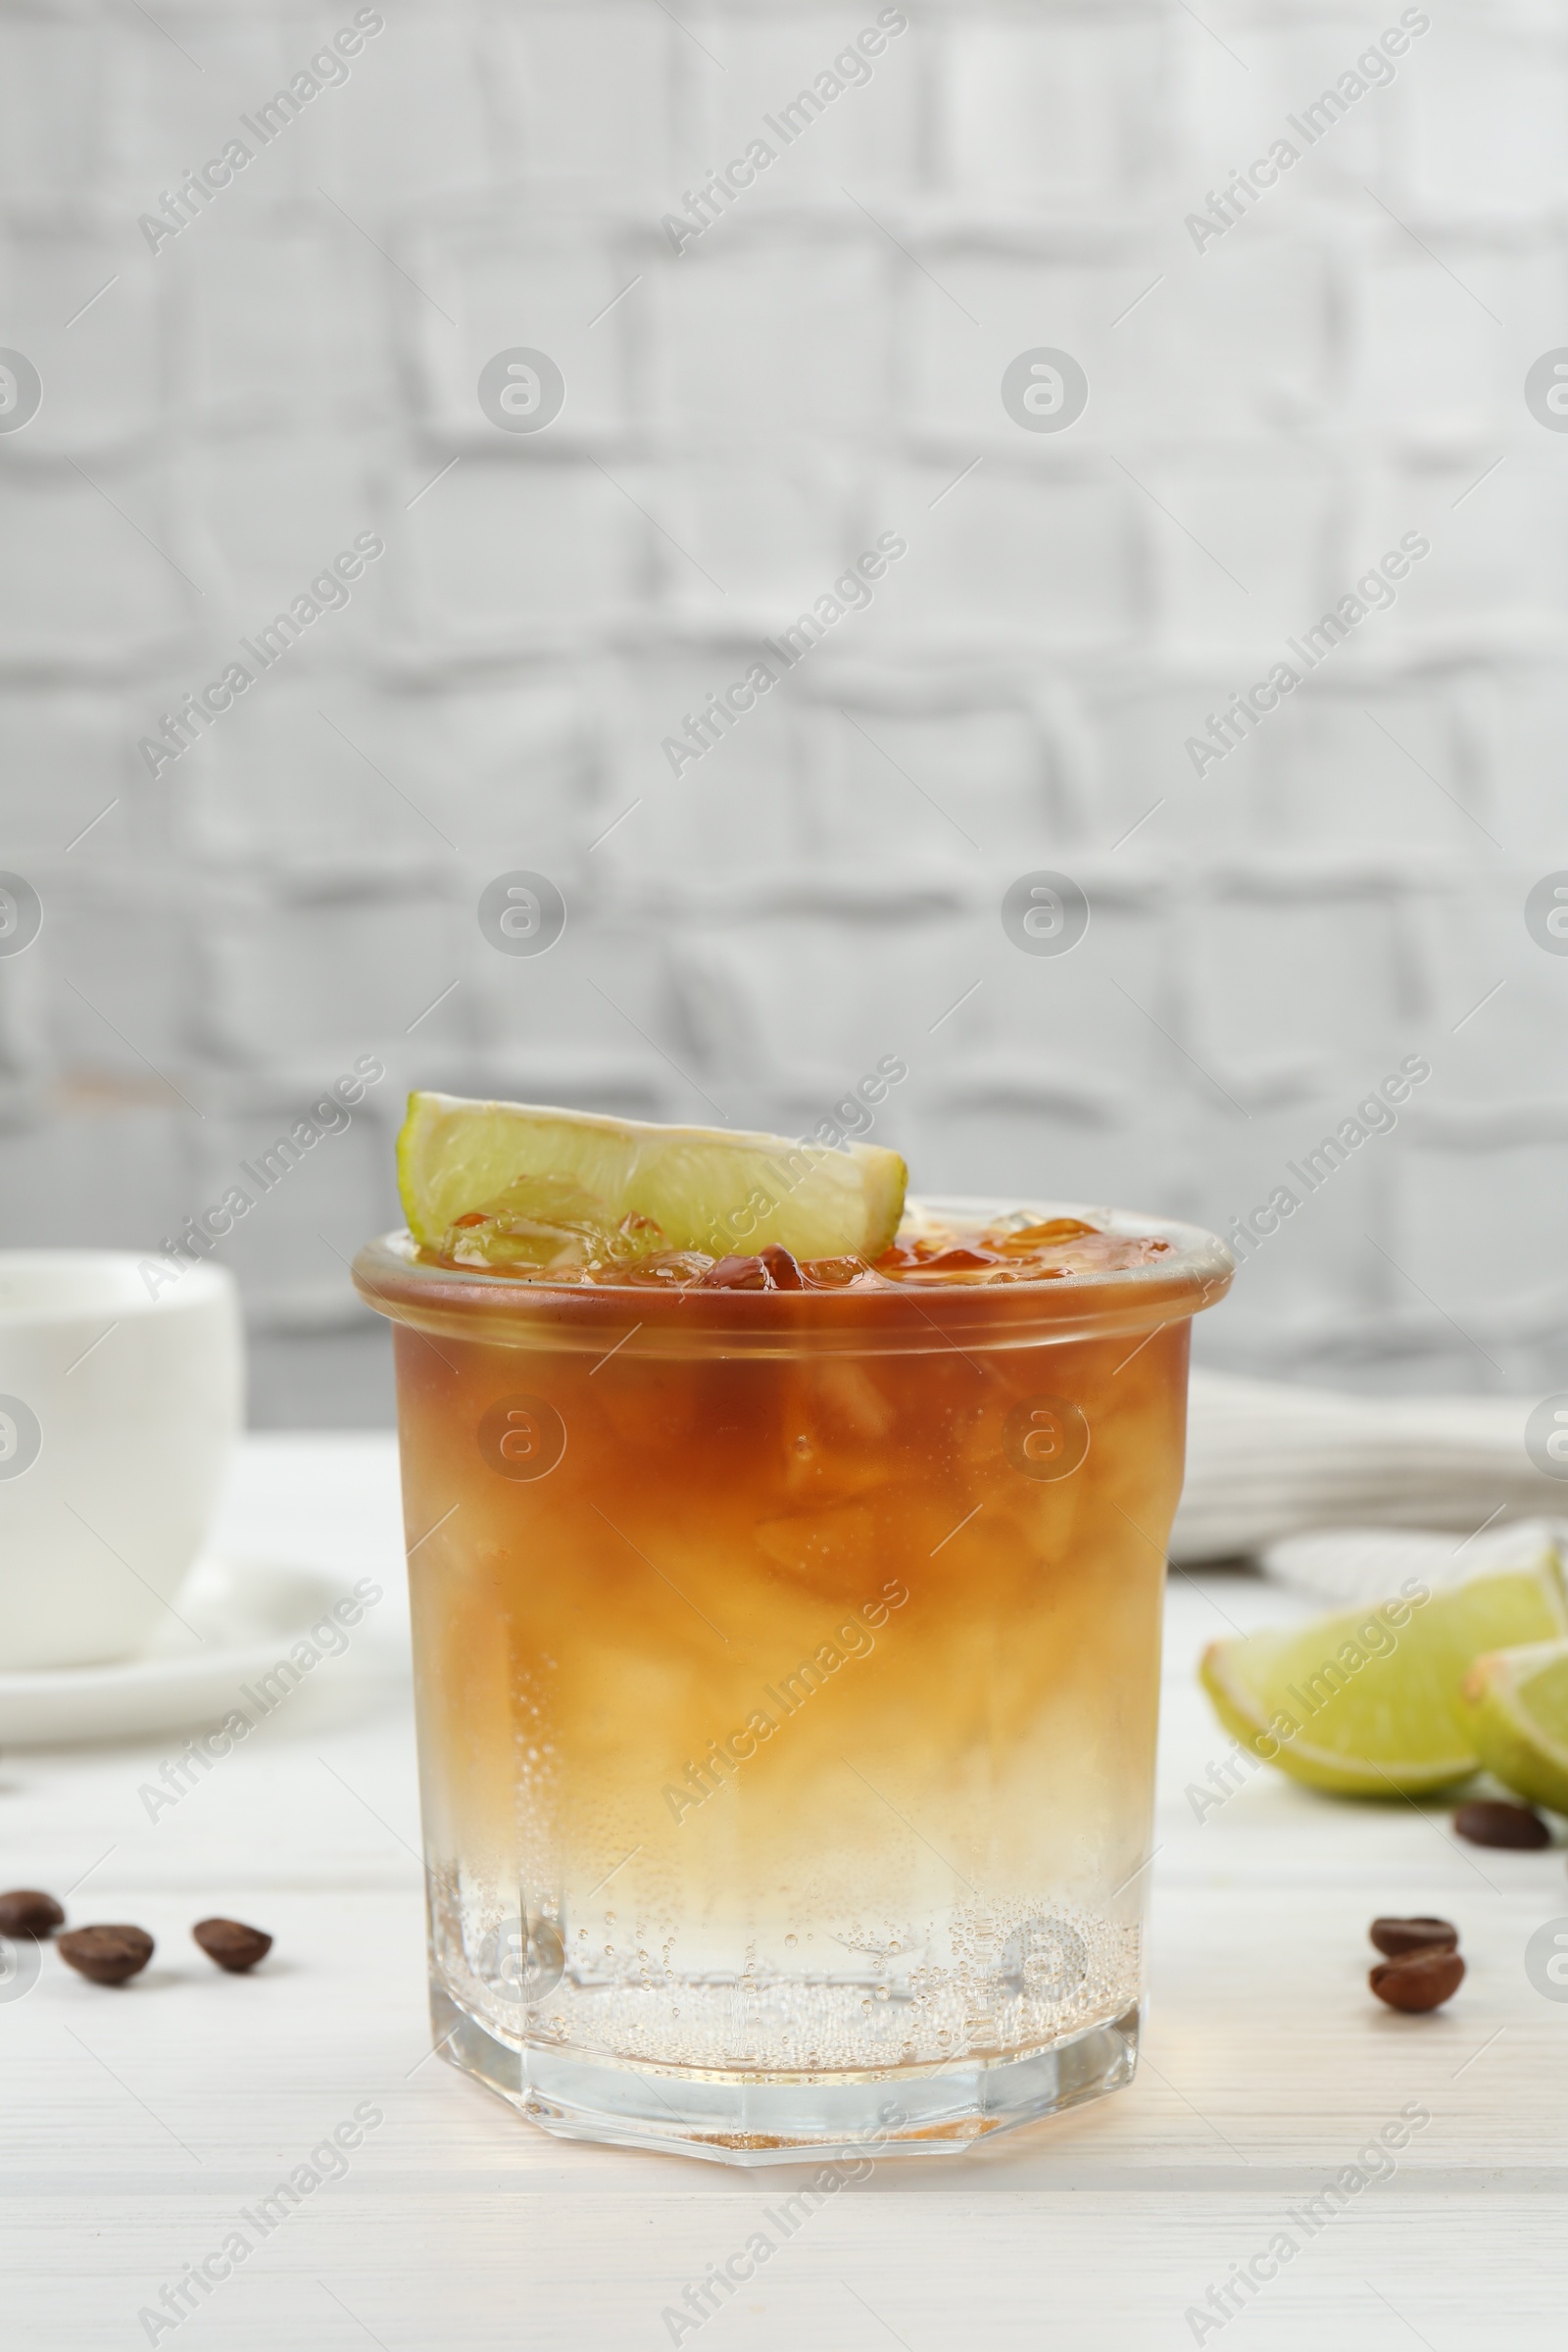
(1346, 1566)
(237, 1619)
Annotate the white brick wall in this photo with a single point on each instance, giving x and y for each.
(299, 366)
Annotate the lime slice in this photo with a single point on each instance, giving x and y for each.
(553, 1186)
(1517, 1712)
(1367, 1702)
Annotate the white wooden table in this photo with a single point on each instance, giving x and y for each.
(137, 2125)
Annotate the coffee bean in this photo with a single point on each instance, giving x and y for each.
(1396, 1936)
(1422, 1979)
(27, 1912)
(234, 1945)
(1490, 1821)
(106, 1955)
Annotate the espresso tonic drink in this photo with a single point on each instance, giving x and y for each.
(787, 1641)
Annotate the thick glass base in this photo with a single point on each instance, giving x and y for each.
(788, 2120)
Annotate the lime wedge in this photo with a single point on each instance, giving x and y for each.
(1516, 1707)
(556, 1186)
(1367, 1703)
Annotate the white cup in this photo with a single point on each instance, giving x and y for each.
(119, 1410)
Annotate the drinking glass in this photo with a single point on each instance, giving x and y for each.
(787, 1675)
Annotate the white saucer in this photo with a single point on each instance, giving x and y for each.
(1346, 1567)
(241, 1619)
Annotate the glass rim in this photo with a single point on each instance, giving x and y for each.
(893, 1318)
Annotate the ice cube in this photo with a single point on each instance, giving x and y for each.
(827, 1553)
